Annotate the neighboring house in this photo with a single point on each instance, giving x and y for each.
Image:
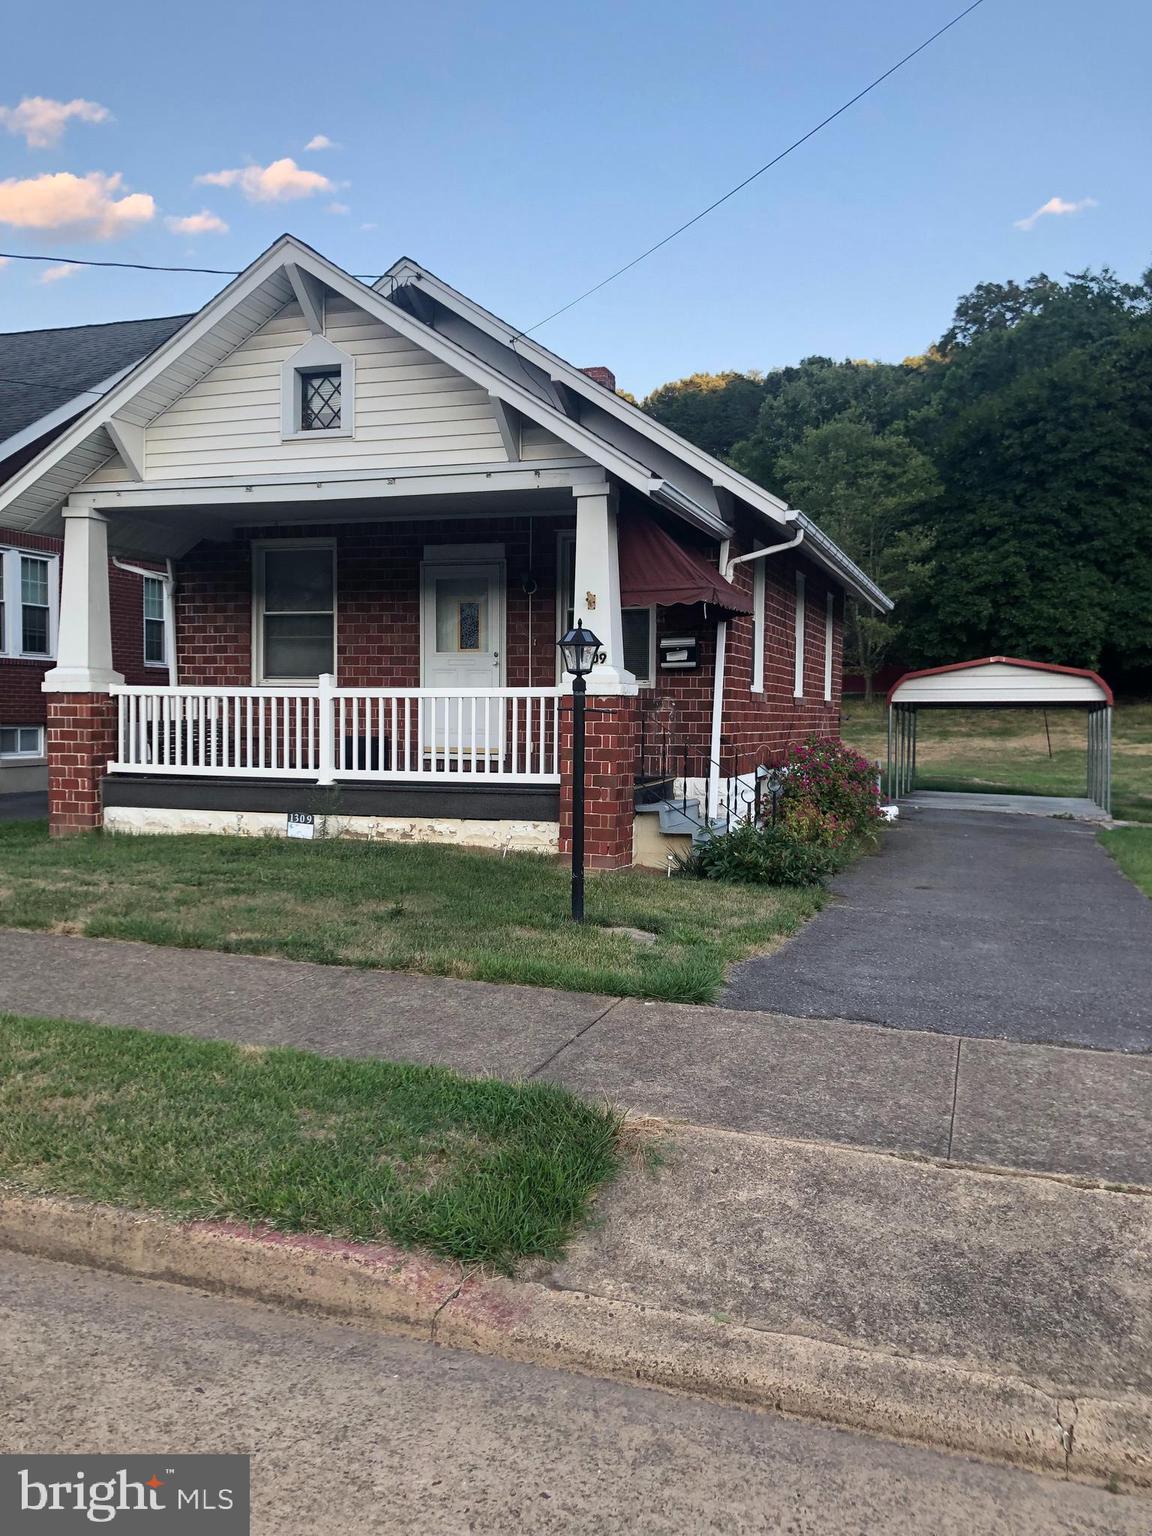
(47, 378)
(382, 505)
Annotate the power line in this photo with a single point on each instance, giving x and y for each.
(739, 187)
(144, 266)
(68, 389)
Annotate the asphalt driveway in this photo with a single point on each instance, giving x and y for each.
(976, 924)
(25, 806)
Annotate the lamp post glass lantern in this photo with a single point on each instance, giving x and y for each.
(773, 781)
(578, 650)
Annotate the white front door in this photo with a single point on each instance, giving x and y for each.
(462, 649)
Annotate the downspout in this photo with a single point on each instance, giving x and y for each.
(168, 577)
(726, 568)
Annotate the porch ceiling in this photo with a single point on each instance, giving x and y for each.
(174, 530)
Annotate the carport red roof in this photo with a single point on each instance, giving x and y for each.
(1006, 661)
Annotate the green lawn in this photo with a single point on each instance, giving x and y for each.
(1131, 847)
(1006, 751)
(476, 1170)
(437, 910)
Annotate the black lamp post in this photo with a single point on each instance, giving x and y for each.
(579, 649)
(773, 781)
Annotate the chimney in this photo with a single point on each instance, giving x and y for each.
(603, 376)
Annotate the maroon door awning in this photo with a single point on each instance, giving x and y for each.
(655, 569)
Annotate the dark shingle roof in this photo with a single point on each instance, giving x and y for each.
(42, 370)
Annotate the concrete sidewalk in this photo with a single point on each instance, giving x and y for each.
(1006, 1315)
(970, 1101)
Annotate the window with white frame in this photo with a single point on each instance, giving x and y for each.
(759, 576)
(798, 680)
(317, 392)
(639, 624)
(293, 610)
(829, 630)
(155, 623)
(28, 603)
(21, 741)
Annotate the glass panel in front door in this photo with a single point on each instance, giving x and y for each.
(469, 731)
(461, 615)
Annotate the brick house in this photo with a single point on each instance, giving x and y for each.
(47, 378)
(379, 507)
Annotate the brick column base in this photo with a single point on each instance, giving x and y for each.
(612, 744)
(81, 740)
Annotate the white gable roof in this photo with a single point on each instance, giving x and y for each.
(591, 420)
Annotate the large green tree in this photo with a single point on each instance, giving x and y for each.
(1044, 545)
(871, 492)
(712, 410)
(1034, 414)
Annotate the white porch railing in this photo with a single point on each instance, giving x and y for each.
(326, 734)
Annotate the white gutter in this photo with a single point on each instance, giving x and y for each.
(726, 568)
(168, 577)
(845, 568)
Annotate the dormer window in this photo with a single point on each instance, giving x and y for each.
(320, 400)
(317, 392)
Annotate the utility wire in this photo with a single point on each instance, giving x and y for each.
(739, 187)
(67, 389)
(144, 266)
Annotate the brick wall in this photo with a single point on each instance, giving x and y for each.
(81, 739)
(378, 600)
(21, 699)
(757, 727)
(611, 739)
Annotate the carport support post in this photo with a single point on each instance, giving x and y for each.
(888, 765)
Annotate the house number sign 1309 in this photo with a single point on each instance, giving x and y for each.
(301, 824)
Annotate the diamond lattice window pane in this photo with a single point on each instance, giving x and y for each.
(320, 401)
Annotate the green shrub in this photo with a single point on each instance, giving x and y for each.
(760, 855)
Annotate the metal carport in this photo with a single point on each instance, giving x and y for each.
(1000, 682)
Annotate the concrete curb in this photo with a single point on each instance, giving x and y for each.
(930, 1402)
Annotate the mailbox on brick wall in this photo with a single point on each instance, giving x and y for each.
(679, 654)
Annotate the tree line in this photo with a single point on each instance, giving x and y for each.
(999, 487)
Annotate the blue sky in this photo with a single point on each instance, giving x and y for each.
(523, 151)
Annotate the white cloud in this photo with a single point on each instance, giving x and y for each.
(203, 223)
(1055, 205)
(88, 205)
(337, 208)
(321, 141)
(40, 121)
(280, 182)
(368, 226)
(57, 274)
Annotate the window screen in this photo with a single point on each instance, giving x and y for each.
(154, 626)
(298, 620)
(320, 400)
(34, 629)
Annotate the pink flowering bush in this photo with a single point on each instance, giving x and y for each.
(829, 795)
(827, 810)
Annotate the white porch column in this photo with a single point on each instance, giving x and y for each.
(598, 586)
(84, 644)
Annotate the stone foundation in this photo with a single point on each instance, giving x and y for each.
(508, 836)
